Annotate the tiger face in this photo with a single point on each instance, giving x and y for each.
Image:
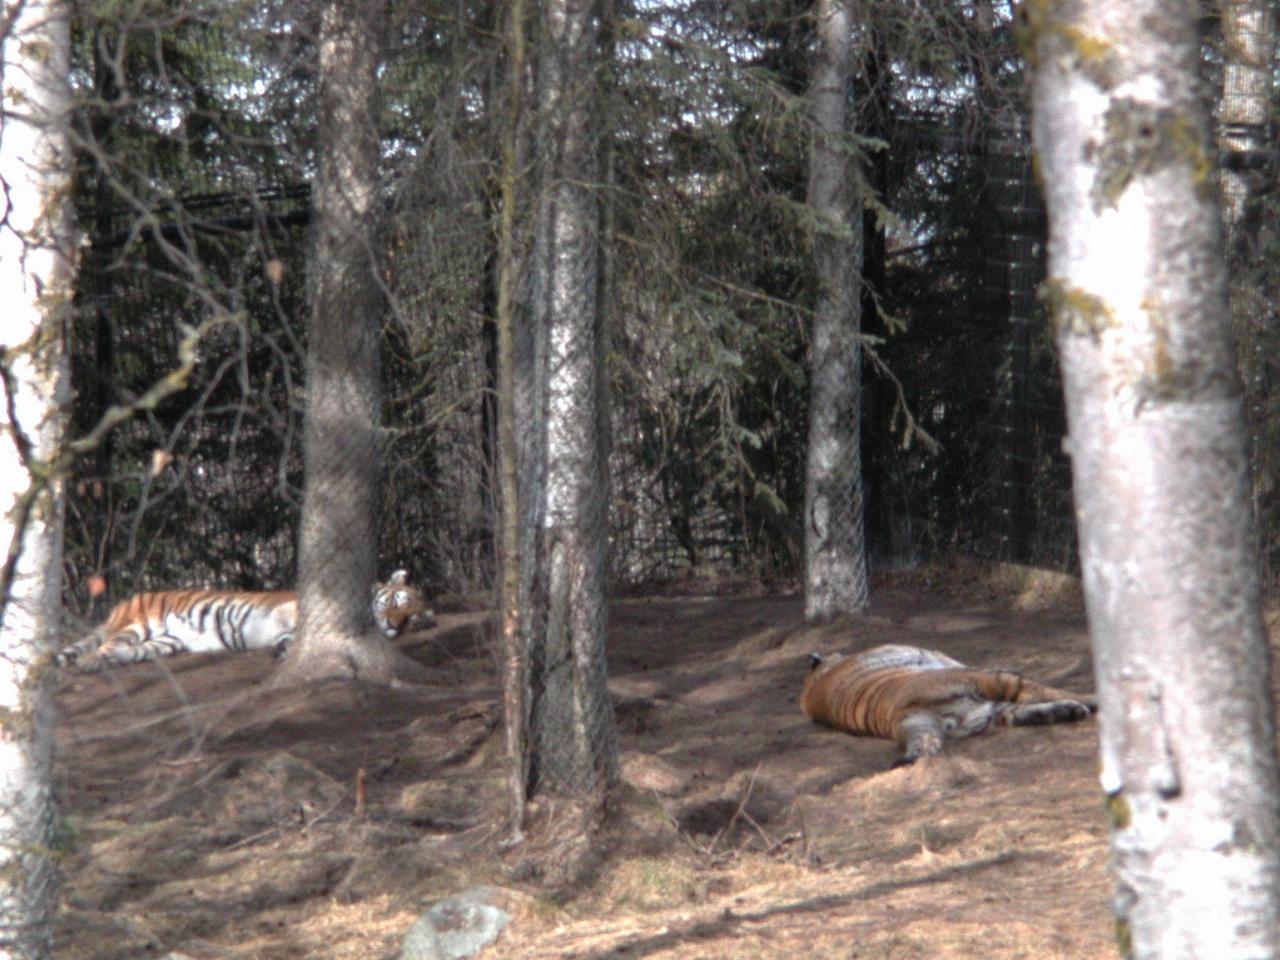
(159, 624)
(399, 607)
(920, 698)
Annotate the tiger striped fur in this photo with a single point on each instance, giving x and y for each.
(151, 625)
(919, 698)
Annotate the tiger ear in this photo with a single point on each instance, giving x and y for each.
(815, 661)
(399, 578)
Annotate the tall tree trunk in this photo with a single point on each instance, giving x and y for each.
(835, 565)
(514, 657)
(337, 548)
(36, 271)
(1138, 299)
(571, 733)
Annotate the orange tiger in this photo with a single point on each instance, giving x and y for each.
(921, 697)
(151, 625)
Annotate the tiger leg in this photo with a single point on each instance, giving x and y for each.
(920, 734)
(1045, 712)
(1009, 687)
(126, 648)
(78, 651)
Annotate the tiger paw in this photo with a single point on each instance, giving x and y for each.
(89, 662)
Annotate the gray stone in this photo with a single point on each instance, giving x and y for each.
(458, 927)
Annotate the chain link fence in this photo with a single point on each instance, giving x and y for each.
(707, 388)
(195, 194)
(1241, 61)
(197, 148)
(1033, 505)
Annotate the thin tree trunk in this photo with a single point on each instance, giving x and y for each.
(572, 739)
(514, 657)
(1138, 297)
(835, 564)
(36, 270)
(337, 547)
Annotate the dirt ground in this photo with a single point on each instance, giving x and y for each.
(208, 816)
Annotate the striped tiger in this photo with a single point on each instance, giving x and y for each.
(151, 625)
(921, 697)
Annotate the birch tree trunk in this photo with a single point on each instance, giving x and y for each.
(563, 484)
(36, 271)
(337, 546)
(835, 563)
(1138, 298)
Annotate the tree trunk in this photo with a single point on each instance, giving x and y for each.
(1138, 299)
(37, 250)
(835, 565)
(571, 734)
(337, 549)
(514, 658)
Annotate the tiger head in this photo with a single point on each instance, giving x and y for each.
(399, 607)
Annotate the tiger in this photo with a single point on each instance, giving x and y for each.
(159, 624)
(920, 697)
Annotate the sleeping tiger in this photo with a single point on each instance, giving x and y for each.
(151, 625)
(920, 697)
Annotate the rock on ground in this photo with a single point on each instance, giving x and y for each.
(458, 927)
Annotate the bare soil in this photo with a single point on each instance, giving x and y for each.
(212, 817)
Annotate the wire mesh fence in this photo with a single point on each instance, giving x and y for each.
(1241, 57)
(194, 191)
(1033, 506)
(285, 335)
(202, 139)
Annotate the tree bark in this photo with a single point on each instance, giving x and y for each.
(514, 657)
(37, 255)
(337, 547)
(1137, 294)
(571, 734)
(835, 563)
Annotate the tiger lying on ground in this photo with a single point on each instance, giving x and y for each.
(151, 625)
(920, 697)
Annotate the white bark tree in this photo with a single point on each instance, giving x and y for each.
(835, 562)
(1137, 291)
(36, 269)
